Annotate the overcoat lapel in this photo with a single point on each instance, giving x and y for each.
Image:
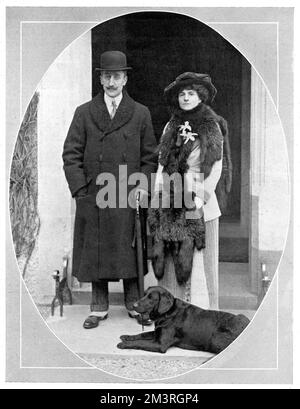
(100, 113)
(101, 116)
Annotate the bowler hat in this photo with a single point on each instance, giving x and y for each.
(188, 79)
(113, 61)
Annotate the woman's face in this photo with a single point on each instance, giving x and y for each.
(188, 99)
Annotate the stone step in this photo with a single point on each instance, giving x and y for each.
(234, 249)
(98, 346)
(233, 286)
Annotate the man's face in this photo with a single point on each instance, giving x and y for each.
(113, 82)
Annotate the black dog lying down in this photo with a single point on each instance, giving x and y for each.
(178, 323)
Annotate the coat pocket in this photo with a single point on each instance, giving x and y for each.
(82, 197)
(86, 208)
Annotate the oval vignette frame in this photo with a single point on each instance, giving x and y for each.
(268, 96)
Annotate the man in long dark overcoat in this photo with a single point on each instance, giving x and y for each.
(106, 133)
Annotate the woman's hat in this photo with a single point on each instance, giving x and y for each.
(113, 61)
(188, 79)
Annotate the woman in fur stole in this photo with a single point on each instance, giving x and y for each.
(185, 252)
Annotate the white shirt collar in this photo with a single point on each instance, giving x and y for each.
(108, 100)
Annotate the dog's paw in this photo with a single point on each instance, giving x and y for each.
(125, 337)
(121, 345)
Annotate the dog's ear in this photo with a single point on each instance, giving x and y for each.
(165, 303)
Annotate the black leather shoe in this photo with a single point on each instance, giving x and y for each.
(92, 321)
(140, 319)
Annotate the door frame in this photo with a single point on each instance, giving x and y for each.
(241, 228)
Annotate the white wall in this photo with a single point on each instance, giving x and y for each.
(269, 176)
(65, 85)
(274, 198)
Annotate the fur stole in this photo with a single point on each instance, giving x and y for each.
(207, 125)
(177, 231)
(204, 122)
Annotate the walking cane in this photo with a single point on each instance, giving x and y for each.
(140, 250)
(139, 247)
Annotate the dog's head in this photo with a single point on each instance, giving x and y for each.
(156, 302)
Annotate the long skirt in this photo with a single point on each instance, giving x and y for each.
(202, 288)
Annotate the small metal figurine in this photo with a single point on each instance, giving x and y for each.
(62, 291)
(63, 285)
(58, 294)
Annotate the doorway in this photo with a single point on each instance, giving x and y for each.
(162, 45)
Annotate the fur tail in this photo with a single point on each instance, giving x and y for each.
(183, 261)
(158, 259)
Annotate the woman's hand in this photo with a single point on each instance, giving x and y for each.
(196, 213)
(198, 202)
